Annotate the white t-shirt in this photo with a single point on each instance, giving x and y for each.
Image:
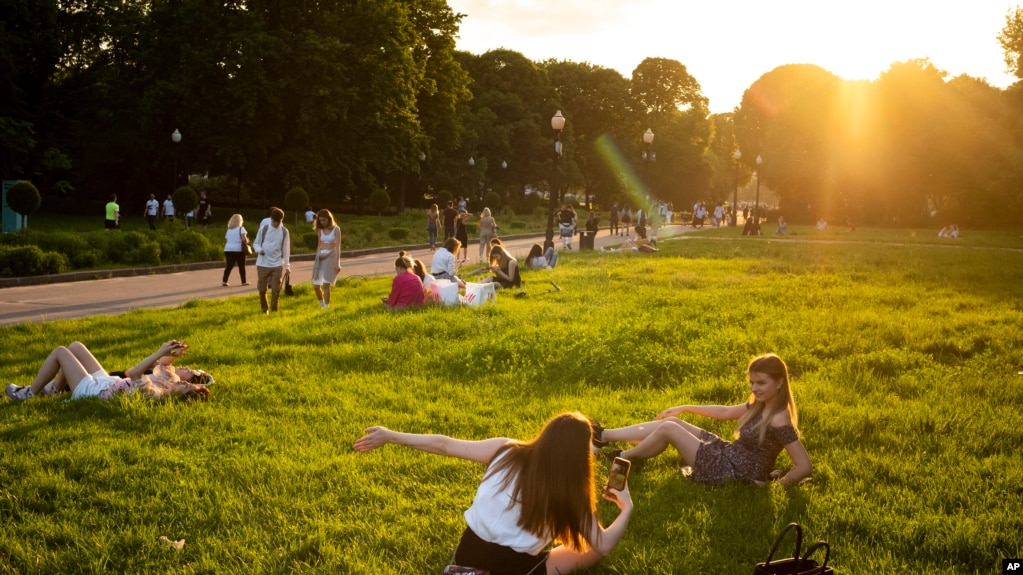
(310, 217)
(152, 207)
(494, 516)
(168, 208)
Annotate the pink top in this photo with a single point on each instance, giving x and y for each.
(406, 291)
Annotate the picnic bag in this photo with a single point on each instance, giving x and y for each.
(795, 565)
(479, 293)
(445, 291)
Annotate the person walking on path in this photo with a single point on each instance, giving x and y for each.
(450, 216)
(273, 259)
(167, 212)
(152, 210)
(113, 214)
(234, 249)
(204, 211)
(488, 231)
(327, 264)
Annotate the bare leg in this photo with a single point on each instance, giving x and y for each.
(669, 432)
(564, 560)
(326, 294)
(59, 360)
(640, 431)
(85, 357)
(319, 293)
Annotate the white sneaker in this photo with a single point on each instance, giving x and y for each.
(18, 392)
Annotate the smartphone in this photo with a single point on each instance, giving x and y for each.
(619, 474)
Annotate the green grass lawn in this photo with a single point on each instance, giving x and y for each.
(907, 360)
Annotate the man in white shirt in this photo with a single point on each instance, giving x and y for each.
(152, 210)
(168, 208)
(273, 259)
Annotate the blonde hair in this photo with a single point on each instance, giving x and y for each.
(234, 222)
(772, 366)
(486, 212)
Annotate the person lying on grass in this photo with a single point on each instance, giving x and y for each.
(533, 494)
(76, 368)
(767, 423)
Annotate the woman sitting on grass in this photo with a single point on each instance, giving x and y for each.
(74, 366)
(443, 265)
(505, 268)
(538, 259)
(406, 288)
(767, 423)
(532, 494)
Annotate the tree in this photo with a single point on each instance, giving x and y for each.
(1011, 39)
(24, 199)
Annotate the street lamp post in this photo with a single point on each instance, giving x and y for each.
(735, 191)
(176, 138)
(648, 156)
(557, 124)
(756, 208)
(472, 185)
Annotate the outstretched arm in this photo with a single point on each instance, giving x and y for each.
(480, 451)
(724, 412)
(171, 348)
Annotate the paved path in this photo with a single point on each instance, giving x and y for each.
(51, 301)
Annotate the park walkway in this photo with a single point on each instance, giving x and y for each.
(86, 294)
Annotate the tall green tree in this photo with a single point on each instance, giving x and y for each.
(1011, 40)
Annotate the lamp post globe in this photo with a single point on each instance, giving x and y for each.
(735, 191)
(557, 124)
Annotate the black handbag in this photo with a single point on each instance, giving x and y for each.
(795, 565)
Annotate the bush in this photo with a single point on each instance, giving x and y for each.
(398, 234)
(492, 200)
(185, 200)
(471, 228)
(517, 224)
(311, 240)
(442, 198)
(527, 204)
(24, 261)
(379, 201)
(24, 198)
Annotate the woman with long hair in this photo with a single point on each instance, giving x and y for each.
(442, 266)
(327, 264)
(75, 367)
(540, 259)
(505, 269)
(235, 253)
(767, 423)
(433, 225)
(533, 494)
(488, 231)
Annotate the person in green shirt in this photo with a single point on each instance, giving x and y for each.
(113, 220)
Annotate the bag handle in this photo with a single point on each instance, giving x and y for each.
(812, 549)
(799, 543)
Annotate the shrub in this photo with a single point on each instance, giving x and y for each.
(23, 261)
(86, 260)
(296, 201)
(24, 198)
(517, 224)
(527, 204)
(492, 200)
(311, 240)
(471, 228)
(379, 201)
(398, 234)
(185, 200)
(442, 198)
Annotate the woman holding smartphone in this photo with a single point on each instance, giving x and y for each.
(524, 503)
(767, 423)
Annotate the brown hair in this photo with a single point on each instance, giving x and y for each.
(324, 213)
(404, 261)
(451, 244)
(774, 367)
(552, 478)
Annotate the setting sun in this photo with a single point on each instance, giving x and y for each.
(727, 45)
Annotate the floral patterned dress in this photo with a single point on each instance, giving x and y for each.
(744, 459)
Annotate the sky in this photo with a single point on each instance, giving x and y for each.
(726, 45)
